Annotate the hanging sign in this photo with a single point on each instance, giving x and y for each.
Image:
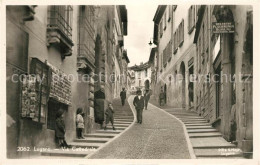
(60, 86)
(223, 27)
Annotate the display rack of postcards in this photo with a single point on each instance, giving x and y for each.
(42, 73)
(30, 97)
(60, 86)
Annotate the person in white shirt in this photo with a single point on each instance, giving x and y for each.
(79, 123)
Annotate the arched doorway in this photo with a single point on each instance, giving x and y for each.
(182, 71)
(191, 88)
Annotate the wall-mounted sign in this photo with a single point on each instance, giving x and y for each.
(223, 27)
(190, 62)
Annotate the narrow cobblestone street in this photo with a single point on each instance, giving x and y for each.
(153, 139)
(129, 81)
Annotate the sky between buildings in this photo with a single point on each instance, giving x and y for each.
(140, 32)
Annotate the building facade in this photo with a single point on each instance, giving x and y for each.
(141, 76)
(153, 62)
(225, 60)
(173, 36)
(56, 51)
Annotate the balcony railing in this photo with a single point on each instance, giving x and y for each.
(60, 17)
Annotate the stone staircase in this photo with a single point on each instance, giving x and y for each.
(206, 141)
(123, 118)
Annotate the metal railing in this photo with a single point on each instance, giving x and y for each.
(61, 17)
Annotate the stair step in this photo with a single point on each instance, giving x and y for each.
(194, 122)
(211, 142)
(122, 122)
(109, 131)
(56, 157)
(100, 135)
(201, 130)
(123, 117)
(198, 124)
(201, 157)
(204, 135)
(198, 127)
(183, 113)
(191, 120)
(218, 152)
(188, 118)
(119, 125)
(92, 140)
(117, 128)
(70, 152)
(123, 113)
(86, 145)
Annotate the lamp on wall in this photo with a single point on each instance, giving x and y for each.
(150, 43)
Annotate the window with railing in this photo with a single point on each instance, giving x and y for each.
(60, 17)
(86, 36)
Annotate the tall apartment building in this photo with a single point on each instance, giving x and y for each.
(225, 97)
(53, 42)
(173, 36)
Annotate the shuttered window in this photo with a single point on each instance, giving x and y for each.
(191, 22)
(175, 44)
(181, 33)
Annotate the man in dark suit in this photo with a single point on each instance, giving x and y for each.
(139, 106)
(123, 96)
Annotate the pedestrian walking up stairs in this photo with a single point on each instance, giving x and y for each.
(123, 118)
(206, 141)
